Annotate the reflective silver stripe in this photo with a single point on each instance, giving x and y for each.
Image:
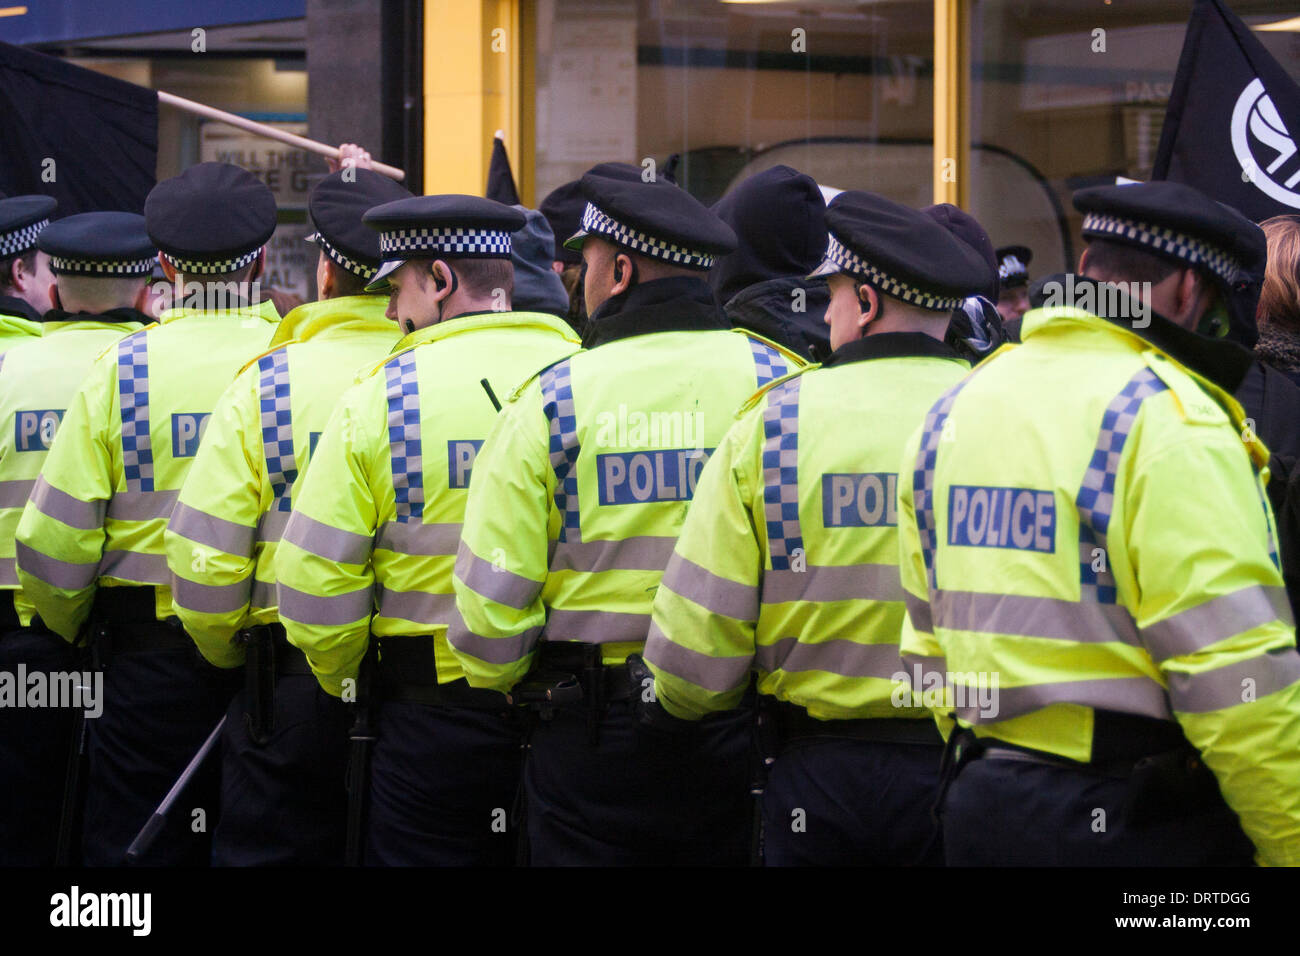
(919, 611)
(412, 537)
(315, 609)
(492, 650)
(715, 594)
(596, 627)
(853, 582)
(13, 494)
(1236, 683)
(326, 541)
(1023, 616)
(61, 506)
(203, 528)
(1215, 620)
(142, 505)
(1129, 695)
(717, 674)
(641, 553)
(8, 572)
(270, 529)
(920, 665)
(133, 566)
(60, 574)
(263, 595)
(421, 607)
(210, 598)
(495, 583)
(839, 656)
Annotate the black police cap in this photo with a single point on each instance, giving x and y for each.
(104, 244)
(655, 219)
(563, 208)
(214, 217)
(1013, 265)
(21, 220)
(336, 206)
(441, 227)
(901, 252)
(969, 230)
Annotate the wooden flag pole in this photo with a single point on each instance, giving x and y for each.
(270, 132)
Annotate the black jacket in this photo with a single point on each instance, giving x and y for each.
(768, 308)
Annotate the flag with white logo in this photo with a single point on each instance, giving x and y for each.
(1233, 119)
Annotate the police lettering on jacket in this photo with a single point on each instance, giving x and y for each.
(992, 517)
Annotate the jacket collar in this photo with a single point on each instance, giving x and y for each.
(675, 304)
(125, 320)
(470, 322)
(892, 345)
(264, 311)
(18, 308)
(340, 316)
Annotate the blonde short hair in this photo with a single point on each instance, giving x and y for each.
(1279, 301)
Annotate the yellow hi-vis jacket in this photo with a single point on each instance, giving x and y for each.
(788, 562)
(582, 488)
(37, 378)
(376, 523)
(15, 328)
(222, 537)
(101, 503)
(1082, 528)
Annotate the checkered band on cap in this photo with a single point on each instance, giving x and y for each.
(277, 427)
(351, 265)
(769, 364)
(133, 396)
(211, 266)
(102, 267)
(1011, 266)
(457, 240)
(1193, 251)
(20, 240)
(593, 220)
(404, 446)
(781, 474)
(557, 404)
(851, 262)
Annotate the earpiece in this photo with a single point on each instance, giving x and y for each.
(410, 326)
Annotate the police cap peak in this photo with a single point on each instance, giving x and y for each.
(1175, 221)
(104, 244)
(336, 206)
(21, 220)
(214, 217)
(655, 219)
(901, 252)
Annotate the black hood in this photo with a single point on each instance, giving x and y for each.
(779, 217)
(772, 310)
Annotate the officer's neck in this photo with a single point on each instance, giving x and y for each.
(902, 322)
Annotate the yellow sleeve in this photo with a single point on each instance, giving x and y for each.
(700, 647)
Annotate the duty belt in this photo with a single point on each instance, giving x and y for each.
(573, 673)
(407, 672)
(124, 620)
(793, 722)
(269, 656)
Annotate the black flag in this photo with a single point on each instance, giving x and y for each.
(501, 181)
(1232, 120)
(88, 140)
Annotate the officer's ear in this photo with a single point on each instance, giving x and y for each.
(444, 280)
(54, 296)
(168, 269)
(259, 265)
(870, 305)
(624, 272)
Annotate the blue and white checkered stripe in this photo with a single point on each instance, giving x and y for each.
(277, 427)
(362, 269)
(557, 403)
(849, 261)
(20, 240)
(102, 267)
(211, 266)
(1263, 500)
(452, 239)
(133, 396)
(923, 477)
(1096, 498)
(404, 438)
(1193, 251)
(769, 364)
(593, 220)
(781, 473)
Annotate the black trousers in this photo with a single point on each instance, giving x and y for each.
(1013, 813)
(285, 803)
(159, 707)
(443, 782)
(841, 802)
(636, 798)
(34, 743)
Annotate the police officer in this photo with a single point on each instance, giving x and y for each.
(284, 744)
(578, 496)
(1100, 592)
(372, 539)
(788, 562)
(90, 542)
(101, 263)
(25, 276)
(1013, 286)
